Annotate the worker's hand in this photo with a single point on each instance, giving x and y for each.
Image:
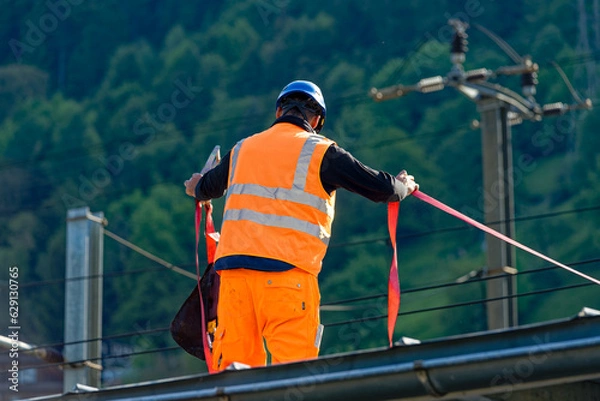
(190, 185)
(409, 181)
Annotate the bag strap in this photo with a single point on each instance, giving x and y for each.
(211, 235)
(393, 281)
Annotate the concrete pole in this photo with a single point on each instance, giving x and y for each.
(83, 296)
(498, 207)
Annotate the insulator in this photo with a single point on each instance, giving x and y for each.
(428, 85)
(459, 42)
(457, 58)
(528, 82)
(480, 74)
(529, 90)
(529, 79)
(515, 120)
(50, 355)
(379, 95)
(554, 109)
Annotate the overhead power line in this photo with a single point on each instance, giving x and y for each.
(465, 227)
(116, 356)
(105, 338)
(383, 240)
(350, 321)
(333, 303)
(453, 284)
(149, 255)
(460, 304)
(90, 277)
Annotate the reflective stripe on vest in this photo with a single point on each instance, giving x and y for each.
(235, 153)
(295, 194)
(304, 160)
(277, 221)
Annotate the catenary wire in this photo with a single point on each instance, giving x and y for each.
(455, 283)
(464, 227)
(149, 255)
(117, 356)
(460, 304)
(91, 277)
(104, 338)
(384, 240)
(350, 321)
(339, 302)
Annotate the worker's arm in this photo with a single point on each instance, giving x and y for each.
(341, 170)
(210, 185)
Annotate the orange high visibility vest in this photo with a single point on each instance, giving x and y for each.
(276, 206)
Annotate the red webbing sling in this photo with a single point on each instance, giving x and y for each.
(434, 202)
(211, 248)
(393, 281)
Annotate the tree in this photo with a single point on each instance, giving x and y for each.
(19, 83)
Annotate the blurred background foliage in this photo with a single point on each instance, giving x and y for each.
(113, 104)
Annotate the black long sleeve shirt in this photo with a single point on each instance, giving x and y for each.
(339, 169)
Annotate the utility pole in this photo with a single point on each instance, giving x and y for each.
(83, 298)
(496, 146)
(597, 24)
(499, 108)
(584, 44)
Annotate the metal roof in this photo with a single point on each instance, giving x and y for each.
(475, 365)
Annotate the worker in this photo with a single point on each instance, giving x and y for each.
(279, 208)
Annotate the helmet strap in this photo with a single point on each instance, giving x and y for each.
(299, 106)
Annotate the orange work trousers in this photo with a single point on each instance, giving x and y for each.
(280, 309)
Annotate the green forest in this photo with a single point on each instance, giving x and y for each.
(113, 104)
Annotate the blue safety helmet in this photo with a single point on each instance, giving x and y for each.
(309, 89)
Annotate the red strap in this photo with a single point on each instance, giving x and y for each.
(394, 281)
(434, 202)
(210, 234)
(209, 249)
